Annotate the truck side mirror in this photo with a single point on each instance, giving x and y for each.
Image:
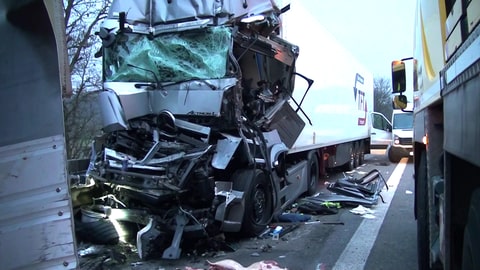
(400, 102)
(398, 77)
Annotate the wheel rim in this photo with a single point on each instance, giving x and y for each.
(259, 204)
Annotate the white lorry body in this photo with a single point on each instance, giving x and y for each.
(340, 100)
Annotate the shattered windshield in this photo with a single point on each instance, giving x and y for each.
(172, 57)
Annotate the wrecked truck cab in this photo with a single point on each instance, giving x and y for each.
(196, 120)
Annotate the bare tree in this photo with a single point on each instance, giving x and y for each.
(81, 116)
(382, 95)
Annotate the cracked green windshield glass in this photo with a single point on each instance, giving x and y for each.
(172, 57)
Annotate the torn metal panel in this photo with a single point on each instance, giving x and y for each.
(225, 151)
(36, 206)
(364, 191)
(113, 116)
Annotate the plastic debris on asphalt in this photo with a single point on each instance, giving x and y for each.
(233, 265)
(293, 217)
(362, 210)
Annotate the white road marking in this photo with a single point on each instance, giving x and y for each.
(356, 253)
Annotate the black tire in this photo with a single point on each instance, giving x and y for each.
(422, 214)
(471, 237)
(393, 156)
(350, 165)
(356, 155)
(258, 200)
(361, 154)
(100, 232)
(313, 173)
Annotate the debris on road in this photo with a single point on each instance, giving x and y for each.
(276, 231)
(293, 217)
(361, 210)
(233, 265)
(347, 191)
(310, 205)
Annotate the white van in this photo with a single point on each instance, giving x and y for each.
(402, 136)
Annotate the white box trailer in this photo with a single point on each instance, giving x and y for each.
(340, 100)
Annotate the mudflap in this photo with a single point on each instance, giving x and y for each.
(230, 212)
(145, 239)
(149, 238)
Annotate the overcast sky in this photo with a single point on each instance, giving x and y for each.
(374, 31)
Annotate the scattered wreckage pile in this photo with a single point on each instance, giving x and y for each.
(347, 191)
(100, 237)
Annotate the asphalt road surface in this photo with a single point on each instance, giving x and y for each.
(383, 238)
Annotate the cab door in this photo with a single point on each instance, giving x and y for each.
(380, 131)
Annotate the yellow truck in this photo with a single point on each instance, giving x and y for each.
(446, 79)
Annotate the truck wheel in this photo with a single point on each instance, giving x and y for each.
(471, 237)
(313, 172)
(258, 200)
(361, 154)
(350, 165)
(393, 156)
(422, 214)
(356, 155)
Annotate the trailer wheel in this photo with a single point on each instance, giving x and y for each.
(361, 154)
(350, 165)
(258, 200)
(421, 205)
(471, 237)
(313, 172)
(356, 155)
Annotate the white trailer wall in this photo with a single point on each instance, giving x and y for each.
(338, 112)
